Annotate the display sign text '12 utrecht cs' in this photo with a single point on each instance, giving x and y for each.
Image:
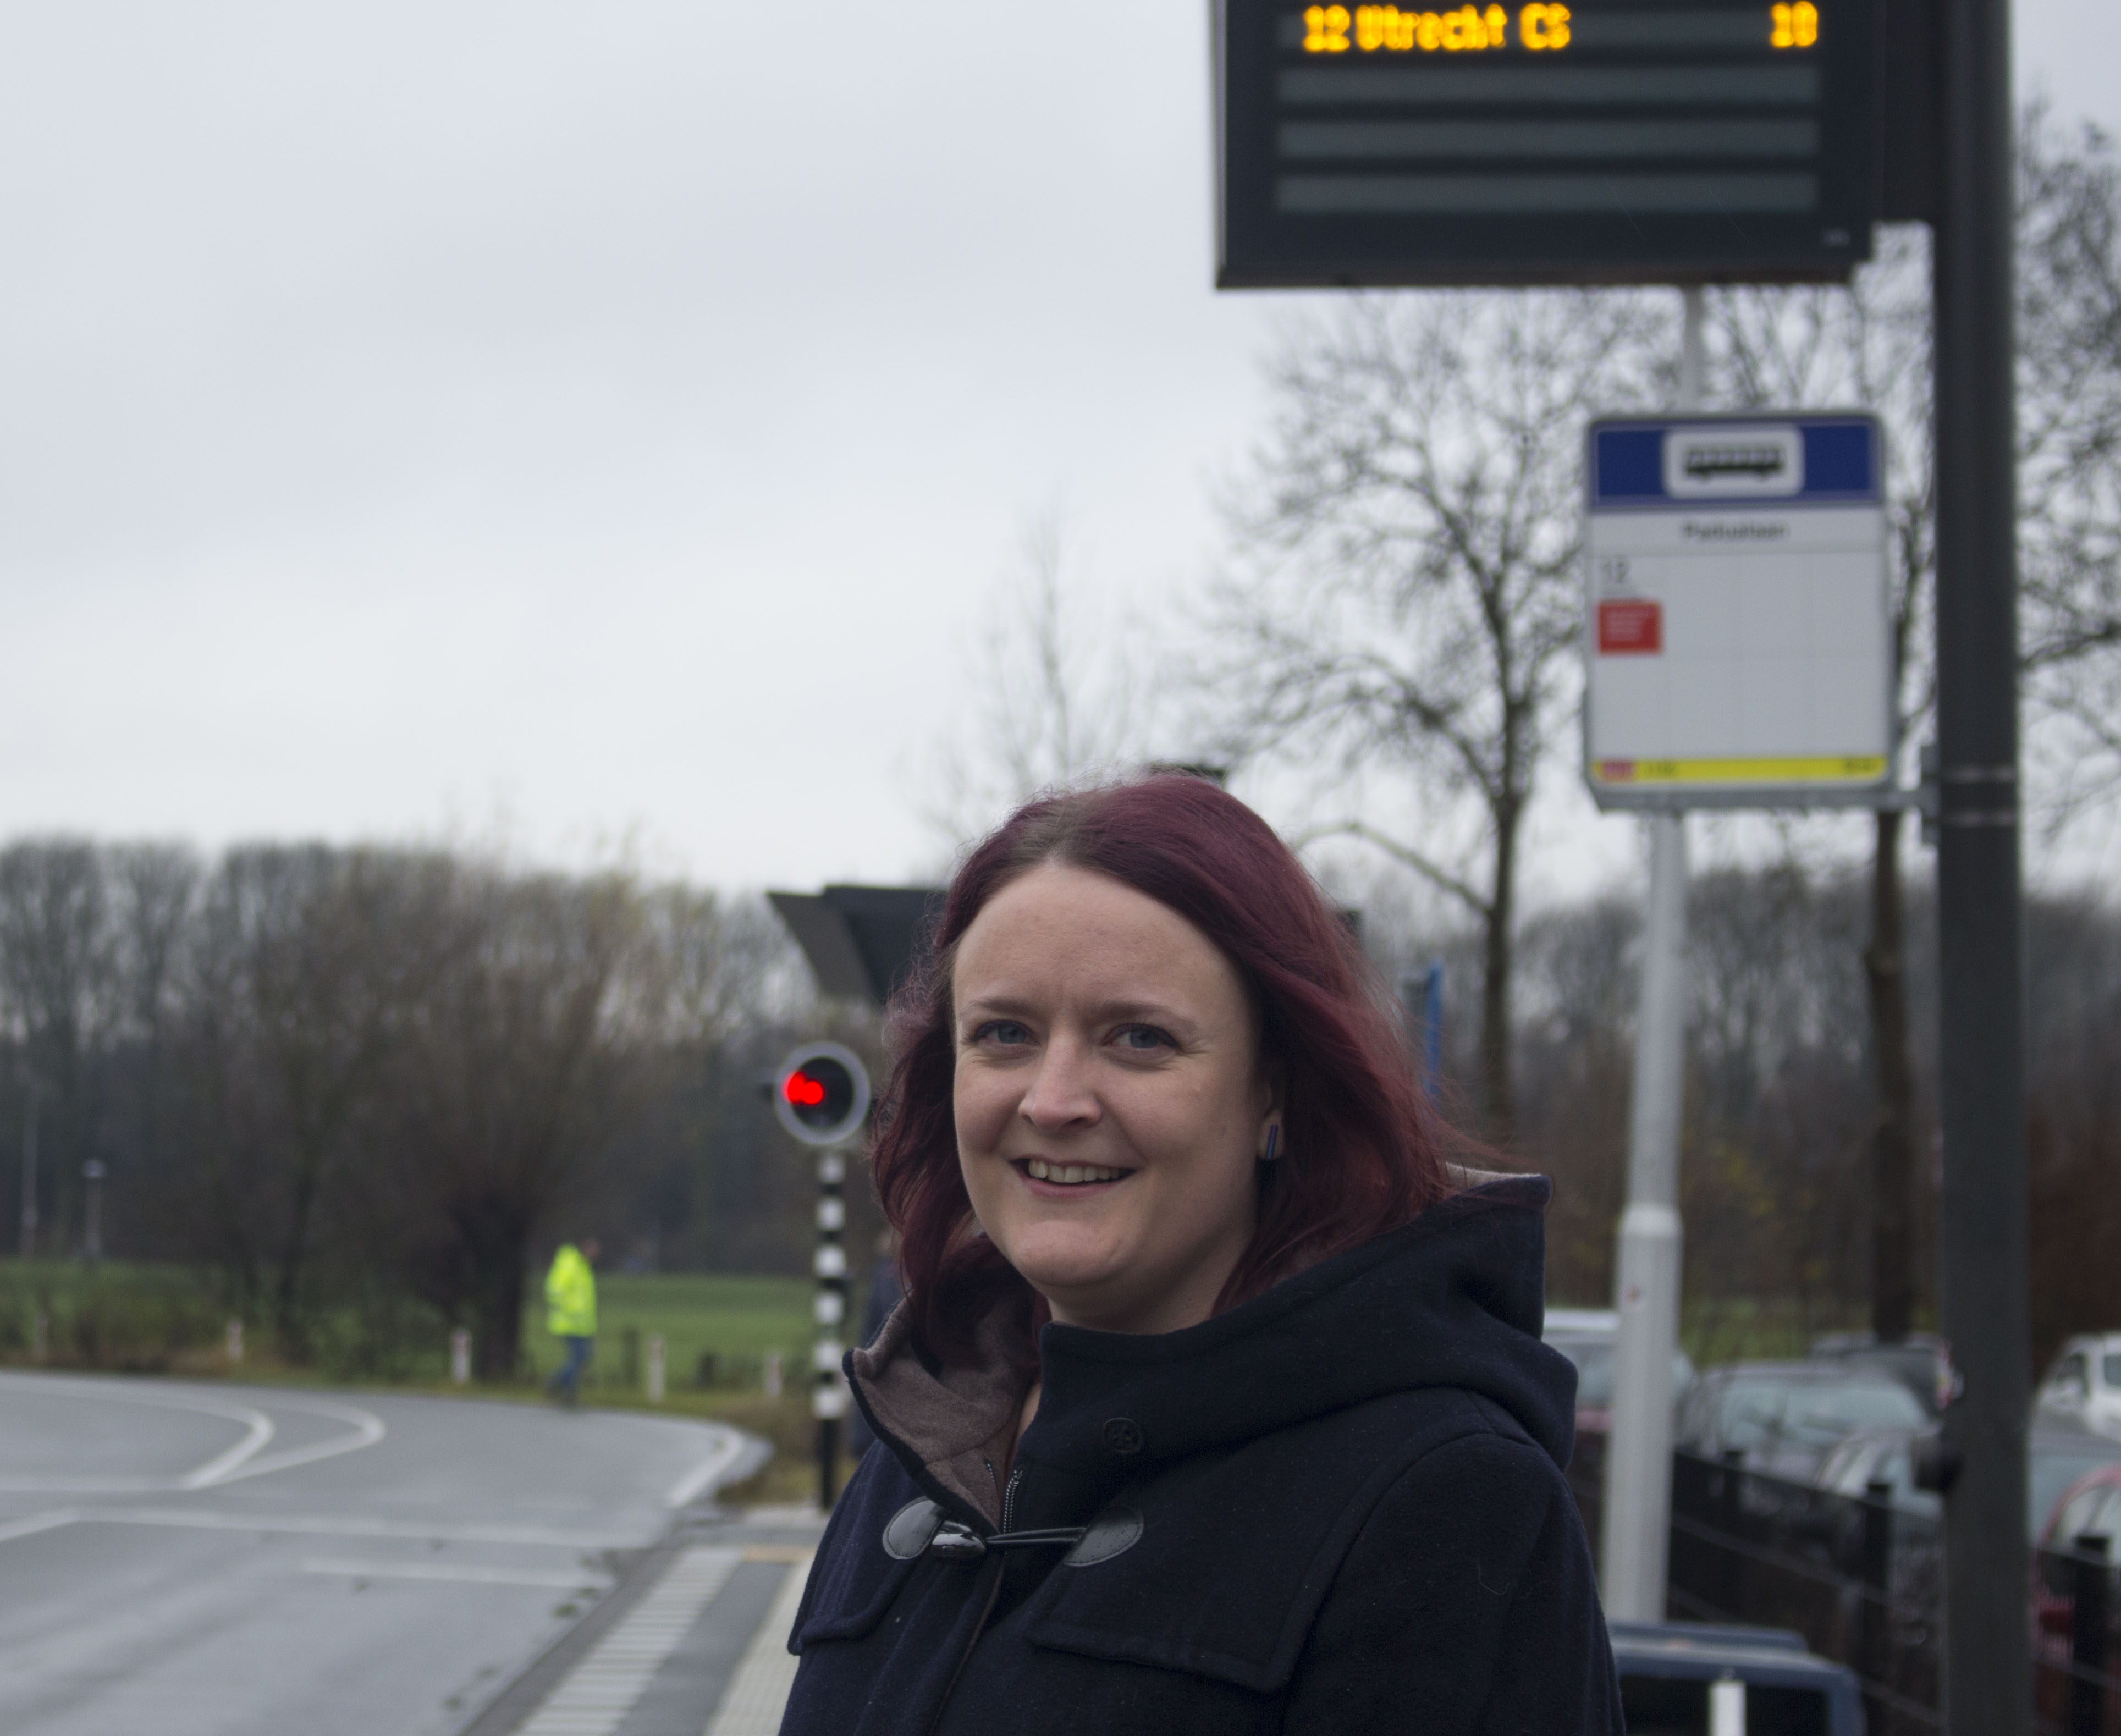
(1598, 141)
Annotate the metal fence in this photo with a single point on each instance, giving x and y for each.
(1862, 1579)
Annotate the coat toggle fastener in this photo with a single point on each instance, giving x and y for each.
(953, 1542)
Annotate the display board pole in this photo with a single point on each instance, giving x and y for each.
(1638, 1506)
(1981, 1061)
(1639, 1444)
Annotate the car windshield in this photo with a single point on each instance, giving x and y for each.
(1765, 1412)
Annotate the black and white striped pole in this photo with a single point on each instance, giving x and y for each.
(821, 1097)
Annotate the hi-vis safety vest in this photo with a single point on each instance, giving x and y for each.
(571, 1295)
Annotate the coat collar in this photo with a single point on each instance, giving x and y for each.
(1452, 1298)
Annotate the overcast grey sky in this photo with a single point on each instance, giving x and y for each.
(603, 422)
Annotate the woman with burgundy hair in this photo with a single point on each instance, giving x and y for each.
(1217, 1402)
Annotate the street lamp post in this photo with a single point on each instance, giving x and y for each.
(92, 1243)
(28, 1168)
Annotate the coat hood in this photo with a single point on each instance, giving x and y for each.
(1454, 1298)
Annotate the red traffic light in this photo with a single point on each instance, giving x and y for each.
(822, 1093)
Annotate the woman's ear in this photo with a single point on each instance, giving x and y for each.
(1270, 1146)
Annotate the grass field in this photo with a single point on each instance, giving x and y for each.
(735, 1321)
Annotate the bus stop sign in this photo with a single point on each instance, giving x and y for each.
(1738, 650)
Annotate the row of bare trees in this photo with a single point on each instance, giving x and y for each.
(359, 1083)
(1779, 1189)
(367, 1088)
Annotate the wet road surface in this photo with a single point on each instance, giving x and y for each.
(214, 1560)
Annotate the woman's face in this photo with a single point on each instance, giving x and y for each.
(1111, 1105)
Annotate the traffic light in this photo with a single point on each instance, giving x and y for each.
(821, 1093)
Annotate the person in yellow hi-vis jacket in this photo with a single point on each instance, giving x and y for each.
(571, 1314)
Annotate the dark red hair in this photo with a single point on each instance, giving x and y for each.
(1361, 1152)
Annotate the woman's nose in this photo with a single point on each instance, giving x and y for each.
(1060, 1093)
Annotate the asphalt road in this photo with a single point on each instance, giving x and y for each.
(193, 1559)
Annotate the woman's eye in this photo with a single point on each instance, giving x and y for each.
(1005, 1032)
(1142, 1039)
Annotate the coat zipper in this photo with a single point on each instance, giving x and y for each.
(993, 1569)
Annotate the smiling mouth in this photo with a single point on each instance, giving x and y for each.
(1070, 1175)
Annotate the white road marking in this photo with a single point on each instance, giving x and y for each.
(788, 1516)
(237, 1462)
(257, 1424)
(322, 1525)
(727, 1451)
(368, 1429)
(37, 1522)
(458, 1573)
(757, 1693)
(598, 1692)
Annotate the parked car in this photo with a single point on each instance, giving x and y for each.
(1784, 1418)
(1921, 1361)
(2091, 1504)
(1588, 1338)
(2055, 1458)
(1879, 1456)
(2060, 1456)
(2083, 1384)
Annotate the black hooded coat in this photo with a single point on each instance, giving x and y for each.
(1336, 1509)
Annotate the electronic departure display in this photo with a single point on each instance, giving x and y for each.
(1593, 142)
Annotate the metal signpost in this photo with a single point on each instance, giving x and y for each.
(1736, 621)
(1981, 1058)
(822, 1098)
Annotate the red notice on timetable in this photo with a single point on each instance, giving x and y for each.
(1630, 628)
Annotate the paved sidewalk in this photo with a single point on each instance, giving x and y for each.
(694, 1643)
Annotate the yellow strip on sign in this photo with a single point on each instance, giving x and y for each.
(1866, 768)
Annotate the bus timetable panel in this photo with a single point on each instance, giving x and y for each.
(1598, 141)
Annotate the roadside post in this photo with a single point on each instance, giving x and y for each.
(460, 1356)
(1421, 1000)
(1982, 1219)
(29, 1166)
(92, 1175)
(822, 1098)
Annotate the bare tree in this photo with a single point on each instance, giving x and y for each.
(306, 961)
(1408, 595)
(517, 1079)
(1060, 692)
(2069, 468)
(1870, 344)
(58, 974)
